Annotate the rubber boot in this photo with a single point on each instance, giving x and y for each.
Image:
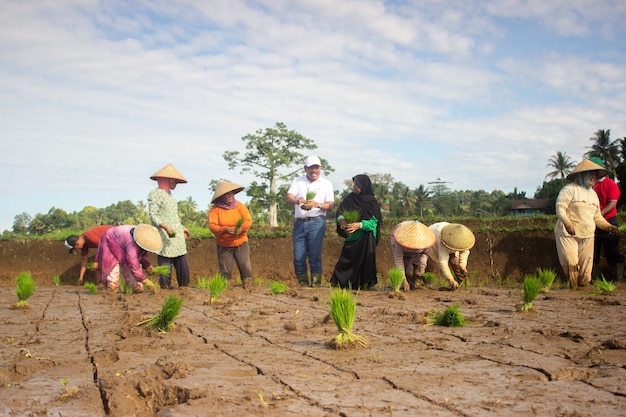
(316, 279)
(619, 272)
(595, 271)
(303, 279)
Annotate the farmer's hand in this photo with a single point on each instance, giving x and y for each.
(94, 267)
(571, 229)
(454, 284)
(150, 269)
(187, 234)
(613, 230)
(80, 281)
(352, 227)
(405, 285)
(238, 231)
(150, 285)
(229, 230)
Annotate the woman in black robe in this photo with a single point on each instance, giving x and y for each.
(356, 267)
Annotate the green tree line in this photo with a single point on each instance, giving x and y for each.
(275, 157)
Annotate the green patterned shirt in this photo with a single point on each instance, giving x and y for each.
(163, 209)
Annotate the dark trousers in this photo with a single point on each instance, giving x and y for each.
(610, 244)
(180, 264)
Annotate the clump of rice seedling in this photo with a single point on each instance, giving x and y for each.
(125, 288)
(56, 280)
(532, 287)
(217, 285)
(202, 283)
(351, 216)
(396, 277)
(91, 287)
(89, 265)
(602, 286)
(162, 270)
(429, 277)
(164, 321)
(342, 306)
(25, 287)
(310, 195)
(546, 276)
(277, 287)
(239, 223)
(450, 317)
(68, 392)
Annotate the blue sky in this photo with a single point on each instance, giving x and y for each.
(95, 96)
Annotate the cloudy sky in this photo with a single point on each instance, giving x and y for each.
(96, 96)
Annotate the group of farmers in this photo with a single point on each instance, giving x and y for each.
(586, 219)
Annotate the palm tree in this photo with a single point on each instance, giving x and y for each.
(606, 150)
(421, 194)
(562, 164)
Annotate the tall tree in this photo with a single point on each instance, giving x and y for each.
(562, 164)
(604, 149)
(421, 195)
(270, 156)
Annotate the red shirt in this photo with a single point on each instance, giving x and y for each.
(607, 190)
(92, 238)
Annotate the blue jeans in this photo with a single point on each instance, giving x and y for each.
(308, 237)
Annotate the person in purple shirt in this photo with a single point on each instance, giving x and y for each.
(124, 251)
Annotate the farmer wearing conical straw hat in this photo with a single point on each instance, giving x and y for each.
(578, 214)
(452, 250)
(410, 242)
(163, 211)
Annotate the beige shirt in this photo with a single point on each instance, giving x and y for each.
(579, 207)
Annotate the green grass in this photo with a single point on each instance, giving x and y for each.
(450, 317)
(602, 286)
(25, 287)
(164, 321)
(532, 287)
(277, 287)
(342, 309)
(396, 278)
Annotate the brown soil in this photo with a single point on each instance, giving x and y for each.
(253, 353)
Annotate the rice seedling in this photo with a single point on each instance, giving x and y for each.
(277, 287)
(56, 280)
(450, 317)
(125, 288)
(91, 287)
(162, 270)
(89, 265)
(25, 287)
(546, 276)
(310, 195)
(602, 286)
(164, 321)
(202, 282)
(532, 287)
(68, 392)
(396, 277)
(342, 309)
(239, 223)
(351, 216)
(217, 285)
(429, 277)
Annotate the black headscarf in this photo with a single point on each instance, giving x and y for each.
(365, 203)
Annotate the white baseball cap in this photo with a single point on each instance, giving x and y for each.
(312, 160)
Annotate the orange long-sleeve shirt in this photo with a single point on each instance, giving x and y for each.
(220, 219)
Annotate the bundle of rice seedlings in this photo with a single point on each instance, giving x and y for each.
(164, 321)
(546, 276)
(162, 270)
(217, 285)
(91, 287)
(429, 277)
(277, 287)
(342, 306)
(602, 286)
(396, 277)
(56, 280)
(450, 317)
(25, 287)
(310, 195)
(239, 223)
(89, 265)
(351, 216)
(532, 287)
(202, 283)
(125, 288)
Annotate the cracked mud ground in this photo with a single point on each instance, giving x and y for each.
(262, 354)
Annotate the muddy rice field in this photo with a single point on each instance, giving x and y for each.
(73, 353)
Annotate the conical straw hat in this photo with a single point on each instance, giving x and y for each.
(457, 237)
(587, 165)
(414, 235)
(168, 171)
(148, 238)
(225, 187)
